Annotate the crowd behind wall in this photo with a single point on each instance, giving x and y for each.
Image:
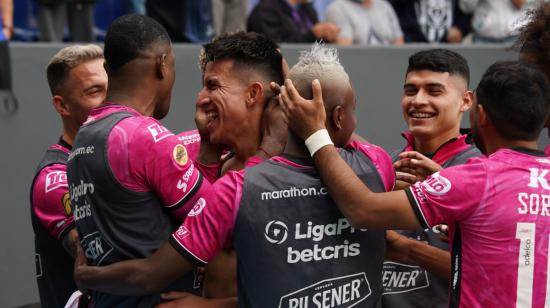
(344, 22)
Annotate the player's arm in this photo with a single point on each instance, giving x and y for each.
(400, 248)
(133, 277)
(356, 201)
(70, 242)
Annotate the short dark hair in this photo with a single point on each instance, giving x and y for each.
(516, 97)
(248, 50)
(441, 61)
(130, 34)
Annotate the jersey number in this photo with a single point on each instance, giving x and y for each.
(525, 232)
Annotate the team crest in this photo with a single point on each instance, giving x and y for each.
(66, 202)
(180, 155)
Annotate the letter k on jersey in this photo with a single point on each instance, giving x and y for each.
(538, 177)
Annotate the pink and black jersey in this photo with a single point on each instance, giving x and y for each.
(132, 183)
(52, 219)
(408, 285)
(294, 247)
(498, 210)
(192, 142)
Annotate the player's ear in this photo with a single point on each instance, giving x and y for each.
(255, 94)
(467, 100)
(61, 105)
(338, 116)
(482, 117)
(161, 66)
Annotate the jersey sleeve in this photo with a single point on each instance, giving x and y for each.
(209, 225)
(381, 160)
(450, 195)
(159, 161)
(51, 202)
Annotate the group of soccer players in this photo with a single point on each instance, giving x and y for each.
(274, 201)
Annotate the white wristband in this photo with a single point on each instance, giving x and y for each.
(318, 140)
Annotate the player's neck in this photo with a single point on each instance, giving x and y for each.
(500, 143)
(296, 147)
(139, 98)
(247, 144)
(430, 144)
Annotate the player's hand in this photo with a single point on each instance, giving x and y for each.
(443, 232)
(397, 247)
(404, 180)
(80, 267)
(303, 116)
(416, 164)
(184, 299)
(209, 153)
(274, 127)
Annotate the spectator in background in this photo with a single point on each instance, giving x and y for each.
(365, 22)
(199, 26)
(6, 21)
(229, 15)
(495, 21)
(290, 21)
(431, 21)
(53, 14)
(171, 15)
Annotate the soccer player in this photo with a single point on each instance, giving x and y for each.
(131, 180)
(78, 83)
(435, 96)
(534, 46)
(497, 207)
(294, 246)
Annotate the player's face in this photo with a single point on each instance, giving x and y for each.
(162, 108)
(433, 103)
(86, 87)
(223, 98)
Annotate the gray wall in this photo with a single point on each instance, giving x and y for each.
(377, 75)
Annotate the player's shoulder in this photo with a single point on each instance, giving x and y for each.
(373, 151)
(50, 178)
(189, 137)
(143, 130)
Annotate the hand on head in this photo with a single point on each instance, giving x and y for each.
(303, 116)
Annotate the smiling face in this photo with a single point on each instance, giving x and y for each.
(433, 104)
(85, 89)
(223, 99)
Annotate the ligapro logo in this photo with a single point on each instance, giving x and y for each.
(276, 232)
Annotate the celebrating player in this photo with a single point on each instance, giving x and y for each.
(131, 180)
(496, 207)
(435, 96)
(78, 83)
(294, 246)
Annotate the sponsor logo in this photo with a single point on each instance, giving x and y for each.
(294, 192)
(276, 232)
(197, 209)
(182, 232)
(66, 202)
(80, 190)
(180, 155)
(81, 151)
(188, 139)
(437, 185)
(158, 132)
(346, 291)
(182, 183)
(55, 180)
(82, 211)
(95, 247)
(402, 278)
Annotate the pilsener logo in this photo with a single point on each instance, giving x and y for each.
(340, 292)
(276, 232)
